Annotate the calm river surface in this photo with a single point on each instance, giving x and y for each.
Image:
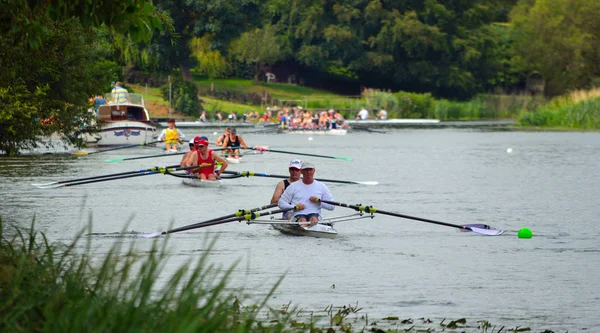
(389, 266)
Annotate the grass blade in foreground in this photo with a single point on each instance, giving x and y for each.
(83, 153)
(250, 214)
(371, 209)
(257, 174)
(263, 149)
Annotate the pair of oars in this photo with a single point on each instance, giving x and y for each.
(253, 214)
(260, 149)
(115, 176)
(258, 174)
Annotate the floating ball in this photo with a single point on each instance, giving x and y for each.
(509, 150)
(310, 138)
(525, 233)
(214, 133)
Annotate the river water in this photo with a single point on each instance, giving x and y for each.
(388, 266)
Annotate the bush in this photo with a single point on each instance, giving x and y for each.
(184, 97)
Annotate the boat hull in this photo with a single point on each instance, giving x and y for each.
(319, 132)
(318, 231)
(125, 132)
(196, 182)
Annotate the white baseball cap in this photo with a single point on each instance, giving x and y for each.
(297, 164)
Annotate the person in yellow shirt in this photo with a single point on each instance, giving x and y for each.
(119, 94)
(171, 136)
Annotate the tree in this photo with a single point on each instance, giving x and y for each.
(258, 48)
(559, 39)
(223, 20)
(54, 58)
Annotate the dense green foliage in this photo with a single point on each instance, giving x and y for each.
(184, 97)
(561, 40)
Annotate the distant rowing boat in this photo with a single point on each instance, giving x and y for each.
(317, 132)
(388, 122)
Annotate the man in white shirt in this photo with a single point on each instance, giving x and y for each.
(304, 197)
(363, 114)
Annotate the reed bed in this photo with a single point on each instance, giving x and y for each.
(52, 287)
(579, 110)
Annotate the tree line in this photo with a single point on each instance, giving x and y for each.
(55, 54)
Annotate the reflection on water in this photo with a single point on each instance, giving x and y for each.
(549, 182)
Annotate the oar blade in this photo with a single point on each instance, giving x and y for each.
(115, 160)
(344, 158)
(369, 183)
(152, 235)
(487, 232)
(80, 153)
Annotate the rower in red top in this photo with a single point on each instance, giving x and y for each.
(204, 156)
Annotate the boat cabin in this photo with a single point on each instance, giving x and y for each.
(132, 109)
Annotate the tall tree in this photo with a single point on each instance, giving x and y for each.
(223, 20)
(258, 48)
(560, 39)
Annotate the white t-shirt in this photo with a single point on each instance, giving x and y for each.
(298, 193)
(363, 114)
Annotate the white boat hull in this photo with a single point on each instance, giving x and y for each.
(126, 132)
(233, 160)
(196, 182)
(319, 132)
(319, 230)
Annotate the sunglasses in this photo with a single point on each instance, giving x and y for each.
(294, 169)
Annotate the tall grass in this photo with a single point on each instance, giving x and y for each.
(50, 287)
(562, 113)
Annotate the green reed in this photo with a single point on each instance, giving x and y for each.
(563, 113)
(52, 287)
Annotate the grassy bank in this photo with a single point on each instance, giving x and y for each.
(227, 95)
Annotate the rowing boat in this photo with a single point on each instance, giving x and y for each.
(337, 131)
(197, 182)
(324, 229)
(233, 160)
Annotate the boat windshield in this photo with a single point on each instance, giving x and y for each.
(127, 98)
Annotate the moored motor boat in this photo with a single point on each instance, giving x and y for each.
(125, 123)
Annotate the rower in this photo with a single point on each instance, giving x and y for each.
(294, 170)
(233, 142)
(171, 135)
(220, 139)
(304, 196)
(186, 160)
(207, 157)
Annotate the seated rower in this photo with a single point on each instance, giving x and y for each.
(171, 136)
(207, 159)
(186, 160)
(232, 143)
(304, 197)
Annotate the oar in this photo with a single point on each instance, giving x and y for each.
(371, 209)
(123, 175)
(82, 153)
(263, 149)
(100, 176)
(250, 214)
(151, 156)
(257, 174)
